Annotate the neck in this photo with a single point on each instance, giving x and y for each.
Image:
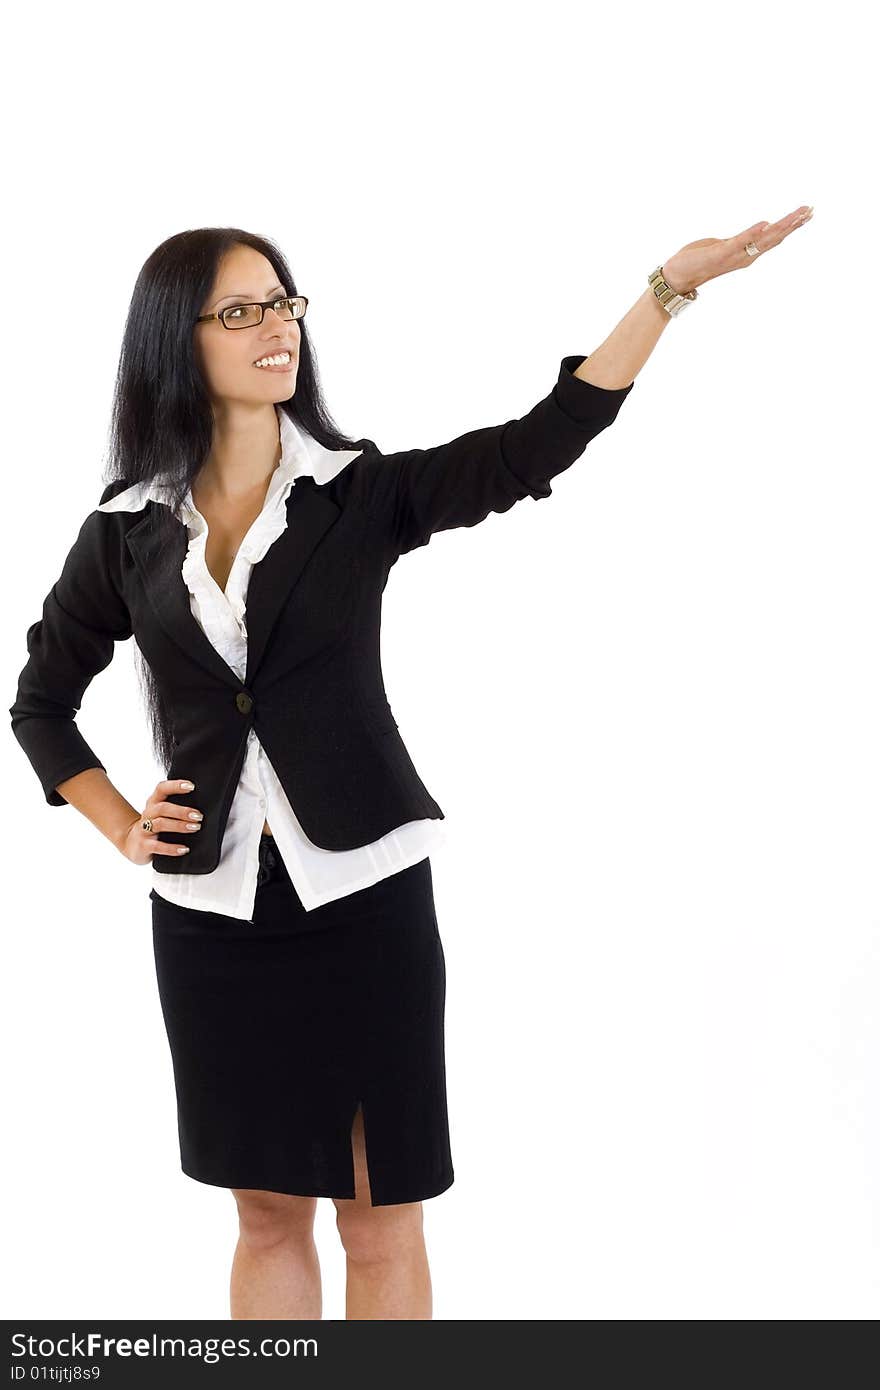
(245, 451)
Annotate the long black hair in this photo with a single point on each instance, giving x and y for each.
(161, 418)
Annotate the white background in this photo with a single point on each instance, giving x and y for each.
(648, 704)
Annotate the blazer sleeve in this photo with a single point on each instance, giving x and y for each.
(414, 493)
(83, 617)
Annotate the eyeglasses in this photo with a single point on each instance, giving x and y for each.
(250, 315)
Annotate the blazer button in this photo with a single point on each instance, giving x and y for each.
(244, 701)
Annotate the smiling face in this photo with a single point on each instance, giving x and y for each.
(226, 356)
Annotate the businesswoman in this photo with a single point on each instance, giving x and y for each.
(245, 544)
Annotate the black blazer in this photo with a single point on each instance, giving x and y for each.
(313, 688)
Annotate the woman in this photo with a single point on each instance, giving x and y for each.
(299, 963)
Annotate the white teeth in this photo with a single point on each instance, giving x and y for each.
(275, 361)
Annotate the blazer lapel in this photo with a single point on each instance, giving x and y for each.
(169, 595)
(310, 514)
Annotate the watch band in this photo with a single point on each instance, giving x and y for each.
(672, 301)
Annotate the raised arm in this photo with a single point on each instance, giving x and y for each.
(416, 492)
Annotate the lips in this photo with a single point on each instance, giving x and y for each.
(275, 352)
(277, 366)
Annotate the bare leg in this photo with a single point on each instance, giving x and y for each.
(386, 1261)
(275, 1270)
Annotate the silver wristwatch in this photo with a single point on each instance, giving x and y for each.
(672, 301)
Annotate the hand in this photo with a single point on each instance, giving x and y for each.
(140, 845)
(704, 260)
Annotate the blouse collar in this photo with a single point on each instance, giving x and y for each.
(301, 455)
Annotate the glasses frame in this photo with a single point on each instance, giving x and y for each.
(267, 304)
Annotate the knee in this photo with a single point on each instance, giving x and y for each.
(373, 1234)
(267, 1218)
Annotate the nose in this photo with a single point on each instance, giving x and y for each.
(285, 325)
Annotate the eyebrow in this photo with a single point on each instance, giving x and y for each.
(247, 297)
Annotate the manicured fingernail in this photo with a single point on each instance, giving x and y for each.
(188, 786)
(183, 849)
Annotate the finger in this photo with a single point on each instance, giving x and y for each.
(791, 223)
(790, 220)
(734, 250)
(771, 228)
(762, 238)
(772, 233)
(170, 823)
(166, 788)
(168, 808)
(161, 848)
(756, 229)
(756, 232)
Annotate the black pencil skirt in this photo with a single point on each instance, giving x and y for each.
(279, 1029)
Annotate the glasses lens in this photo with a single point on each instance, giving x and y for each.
(241, 315)
(291, 308)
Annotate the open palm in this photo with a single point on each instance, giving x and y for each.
(705, 260)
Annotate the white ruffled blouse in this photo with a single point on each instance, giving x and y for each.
(319, 875)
